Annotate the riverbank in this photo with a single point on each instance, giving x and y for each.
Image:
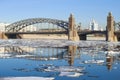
(45, 36)
(58, 36)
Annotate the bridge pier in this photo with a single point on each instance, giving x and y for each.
(117, 34)
(118, 37)
(3, 36)
(19, 36)
(110, 29)
(72, 35)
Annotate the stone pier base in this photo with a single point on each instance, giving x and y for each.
(3, 36)
(73, 35)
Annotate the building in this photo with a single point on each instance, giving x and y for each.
(93, 25)
(2, 26)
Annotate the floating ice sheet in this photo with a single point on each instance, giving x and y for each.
(59, 43)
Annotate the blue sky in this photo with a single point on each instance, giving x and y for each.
(83, 10)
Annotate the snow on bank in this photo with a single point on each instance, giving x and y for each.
(26, 78)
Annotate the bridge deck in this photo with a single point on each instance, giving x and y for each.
(91, 32)
(60, 32)
(57, 32)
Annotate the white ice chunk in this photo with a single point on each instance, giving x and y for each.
(70, 74)
(94, 61)
(112, 53)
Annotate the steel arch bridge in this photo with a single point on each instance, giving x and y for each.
(17, 26)
(117, 26)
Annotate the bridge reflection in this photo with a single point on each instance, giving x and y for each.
(68, 53)
(111, 59)
(42, 53)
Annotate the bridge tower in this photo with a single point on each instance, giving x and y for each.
(1, 35)
(72, 35)
(110, 28)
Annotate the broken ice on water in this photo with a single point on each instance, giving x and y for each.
(50, 42)
(69, 71)
(94, 61)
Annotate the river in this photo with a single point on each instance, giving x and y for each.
(59, 60)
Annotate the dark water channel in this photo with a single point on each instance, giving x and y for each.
(62, 63)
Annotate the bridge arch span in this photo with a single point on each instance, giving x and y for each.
(117, 26)
(17, 26)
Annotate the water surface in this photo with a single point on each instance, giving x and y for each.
(62, 63)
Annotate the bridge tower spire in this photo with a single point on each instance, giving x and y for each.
(110, 28)
(72, 35)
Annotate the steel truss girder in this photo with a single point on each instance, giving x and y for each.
(117, 25)
(17, 26)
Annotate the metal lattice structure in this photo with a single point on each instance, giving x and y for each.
(117, 26)
(17, 26)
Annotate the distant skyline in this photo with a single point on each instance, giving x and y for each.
(83, 10)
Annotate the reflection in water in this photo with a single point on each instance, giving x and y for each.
(50, 53)
(71, 53)
(39, 53)
(53, 60)
(111, 58)
(109, 61)
(18, 50)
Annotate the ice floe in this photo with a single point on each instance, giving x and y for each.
(112, 53)
(71, 74)
(65, 69)
(59, 43)
(69, 71)
(94, 61)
